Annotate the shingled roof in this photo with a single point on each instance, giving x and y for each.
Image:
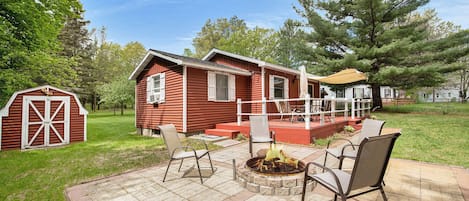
(185, 61)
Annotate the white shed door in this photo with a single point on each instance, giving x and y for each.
(46, 121)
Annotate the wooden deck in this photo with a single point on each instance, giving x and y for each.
(295, 132)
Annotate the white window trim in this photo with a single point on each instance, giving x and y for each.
(212, 88)
(150, 90)
(286, 90)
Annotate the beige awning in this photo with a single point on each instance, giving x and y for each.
(344, 77)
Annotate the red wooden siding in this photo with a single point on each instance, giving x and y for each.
(152, 115)
(12, 124)
(229, 61)
(203, 114)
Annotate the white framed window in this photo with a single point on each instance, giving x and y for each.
(156, 88)
(387, 93)
(221, 86)
(278, 87)
(358, 92)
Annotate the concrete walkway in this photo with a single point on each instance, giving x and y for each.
(405, 180)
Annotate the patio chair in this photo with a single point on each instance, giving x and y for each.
(179, 152)
(368, 170)
(259, 131)
(284, 108)
(370, 128)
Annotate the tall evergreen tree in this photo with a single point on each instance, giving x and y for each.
(291, 44)
(377, 37)
(78, 45)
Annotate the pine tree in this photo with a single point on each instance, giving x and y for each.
(380, 38)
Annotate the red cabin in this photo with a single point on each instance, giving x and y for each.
(42, 117)
(195, 94)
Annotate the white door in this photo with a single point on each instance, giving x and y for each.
(46, 121)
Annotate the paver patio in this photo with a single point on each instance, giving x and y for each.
(405, 180)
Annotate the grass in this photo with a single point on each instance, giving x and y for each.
(111, 148)
(437, 133)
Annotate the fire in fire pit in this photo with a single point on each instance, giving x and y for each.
(275, 162)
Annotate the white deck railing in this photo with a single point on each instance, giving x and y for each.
(310, 107)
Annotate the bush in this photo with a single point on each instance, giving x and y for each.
(240, 137)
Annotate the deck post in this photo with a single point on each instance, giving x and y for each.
(359, 108)
(353, 108)
(363, 108)
(238, 111)
(321, 113)
(264, 106)
(346, 110)
(333, 101)
(307, 112)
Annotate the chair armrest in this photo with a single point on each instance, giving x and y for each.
(343, 139)
(339, 186)
(272, 135)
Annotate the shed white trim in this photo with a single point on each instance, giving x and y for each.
(4, 111)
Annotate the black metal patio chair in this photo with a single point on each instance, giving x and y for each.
(368, 170)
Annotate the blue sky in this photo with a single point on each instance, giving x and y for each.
(170, 25)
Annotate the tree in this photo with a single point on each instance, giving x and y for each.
(29, 49)
(378, 37)
(78, 45)
(119, 92)
(291, 44)
(234, 36)
(213, 32)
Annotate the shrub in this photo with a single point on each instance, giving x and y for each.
(240, 137)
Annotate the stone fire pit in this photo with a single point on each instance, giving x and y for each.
(288, 182)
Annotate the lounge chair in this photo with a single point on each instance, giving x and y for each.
(284, 108)
(370, 128)
(259, 131)
(368, 170)
(179, 152)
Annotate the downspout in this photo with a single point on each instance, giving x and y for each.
(184, 99)
(263, 81)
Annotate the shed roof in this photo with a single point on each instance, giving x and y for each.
(184, 61)
(4, 111)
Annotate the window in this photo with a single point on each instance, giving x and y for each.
(387, 93)
(311, 90)
(358, 92)
(278, 87)
(156, 88)
(221, 87)
(449, 94)
(340, 93)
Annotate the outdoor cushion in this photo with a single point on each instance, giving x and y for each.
(328, 179)
(187, 154)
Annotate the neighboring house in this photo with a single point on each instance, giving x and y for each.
(444, 94)
(195, 94)
(363, 91)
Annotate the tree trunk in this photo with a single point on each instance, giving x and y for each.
(433, 92)
(376, 93)
(122, 109)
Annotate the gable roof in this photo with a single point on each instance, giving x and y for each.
(5, 110)
(184, 61)
(260, 63)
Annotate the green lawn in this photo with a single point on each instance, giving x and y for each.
(110, 149)
(437, 133)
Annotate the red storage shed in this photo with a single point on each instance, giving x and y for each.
(42, 117)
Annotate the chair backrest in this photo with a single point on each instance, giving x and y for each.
(370, 128)
(259, 126)
(287, 107)
(315, 106)
(170, 136)
(326, 105)
(372, 161)
(279, 106)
